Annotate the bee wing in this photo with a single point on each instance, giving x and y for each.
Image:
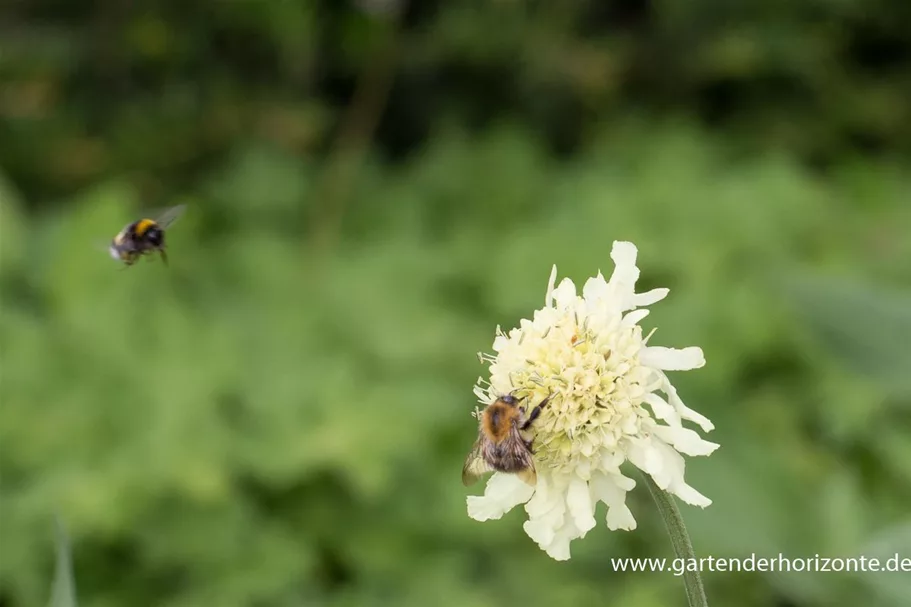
(520, 452)
(167, 217)
(475, 465)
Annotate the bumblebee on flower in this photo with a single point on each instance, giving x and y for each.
(585, 356)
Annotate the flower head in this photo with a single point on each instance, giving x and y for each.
(589, 353)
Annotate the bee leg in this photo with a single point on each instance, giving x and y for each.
(164, 256)
(535, 413)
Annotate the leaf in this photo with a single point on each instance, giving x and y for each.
(63, 591)
(867, 327)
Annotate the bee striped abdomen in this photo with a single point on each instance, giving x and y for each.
(509, 456)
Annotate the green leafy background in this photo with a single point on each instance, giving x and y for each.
(279, 417)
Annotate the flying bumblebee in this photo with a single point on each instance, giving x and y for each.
(144, 236)
(501, 446)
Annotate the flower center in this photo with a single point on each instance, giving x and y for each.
(594, 379)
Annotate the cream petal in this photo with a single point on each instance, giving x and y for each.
(583, 470)
(500, 343)
(649, 457)
(612, 459)
(565, 294)
(609, 489)
(555, 542)
(672, 359)
(633, 318)
(691, 496)
(549, 297)
(640, 300)
(546, 514)
(499, 384)
(587, 448)
(546, 500)
(685, 412)
(559, 550)
(623, 279)
(623, 482)
(675, 467)
(595, 289)
(545, 317)
(662, 409)
(503, 493)
(645, 456)
(541, 530)
(553, 514)
(629, 425)
(621, 517)
(580, 505)
(685, 440)
(559, 547)
(624, 255)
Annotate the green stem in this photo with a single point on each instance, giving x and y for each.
(683, 547)
(63, 589)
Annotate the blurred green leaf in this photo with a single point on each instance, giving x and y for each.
(867, 327)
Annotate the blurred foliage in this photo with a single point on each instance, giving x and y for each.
(256, 425)
(279, 418)
(160, 90)
(877, 341)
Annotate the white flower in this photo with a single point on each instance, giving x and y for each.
(589, 353)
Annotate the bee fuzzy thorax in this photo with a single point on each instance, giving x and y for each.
(497, 421)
